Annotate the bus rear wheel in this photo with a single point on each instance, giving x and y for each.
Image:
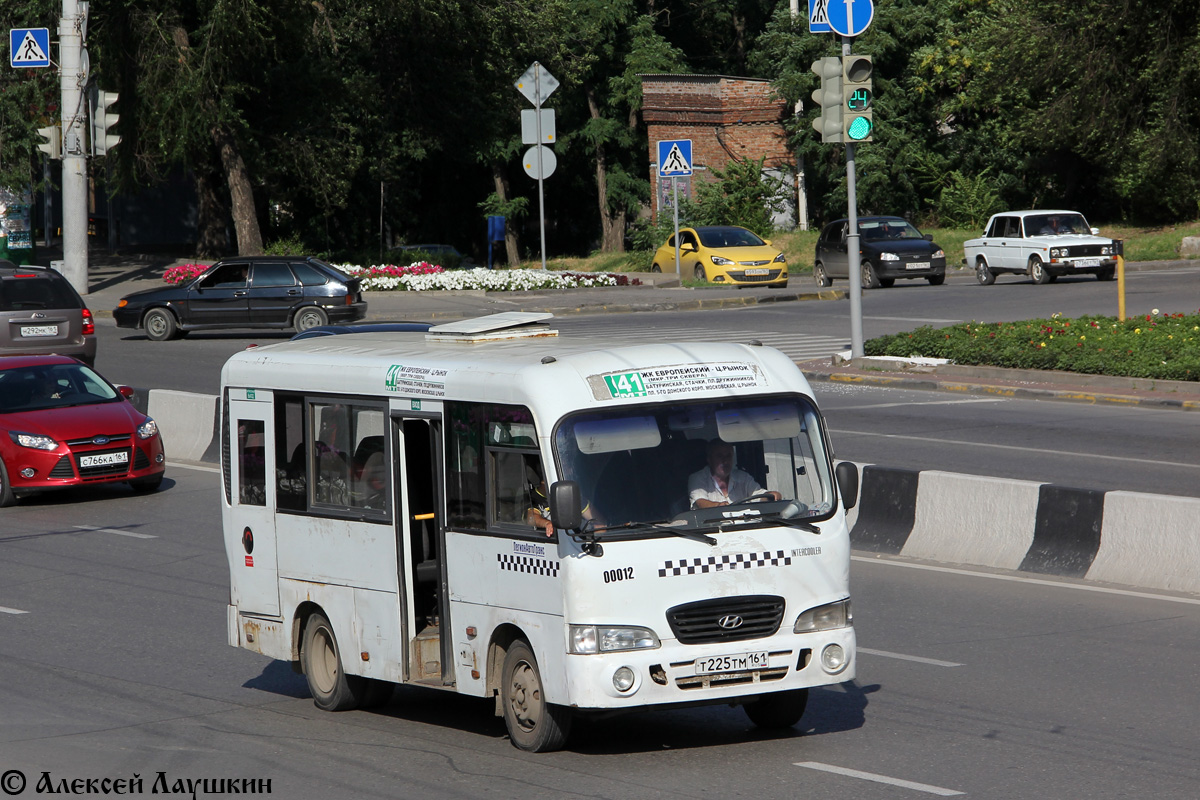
(778, 710)
(533, 724)
(332, 689)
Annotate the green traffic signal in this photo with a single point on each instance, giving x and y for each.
(859, 128)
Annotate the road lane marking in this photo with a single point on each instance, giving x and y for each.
(130, 534)
(1038, 450)
(1035, 581)
(6, 610)
(922, 403)
(902, 657)
(871, 776)
(197, 467)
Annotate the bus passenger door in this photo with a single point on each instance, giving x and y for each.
(254, 586)
(421, 543)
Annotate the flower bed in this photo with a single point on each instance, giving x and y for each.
(422, 277)
(1155, 345)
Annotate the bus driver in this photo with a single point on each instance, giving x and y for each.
(720, 483)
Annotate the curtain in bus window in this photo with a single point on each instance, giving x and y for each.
(252, 463)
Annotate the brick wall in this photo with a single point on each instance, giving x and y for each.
(726, 118)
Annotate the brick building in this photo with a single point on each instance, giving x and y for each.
(725, 118)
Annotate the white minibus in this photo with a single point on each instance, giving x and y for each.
(385, 507)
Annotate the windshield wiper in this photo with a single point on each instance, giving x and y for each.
(661, 526)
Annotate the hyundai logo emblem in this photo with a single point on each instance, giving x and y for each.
(730, 621)
(100, 440)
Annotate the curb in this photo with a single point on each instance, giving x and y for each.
(933, 382)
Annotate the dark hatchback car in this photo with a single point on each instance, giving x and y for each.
(247, 292)
(891, 248)
(41, 313)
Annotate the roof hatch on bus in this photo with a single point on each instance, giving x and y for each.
(507, 325)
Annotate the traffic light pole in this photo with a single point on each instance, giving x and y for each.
(73, 76)
(853, 251)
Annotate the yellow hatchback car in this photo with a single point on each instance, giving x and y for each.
(724, 254)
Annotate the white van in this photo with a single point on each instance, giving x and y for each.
(384, 505)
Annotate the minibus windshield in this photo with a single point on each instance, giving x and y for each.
(708, 463)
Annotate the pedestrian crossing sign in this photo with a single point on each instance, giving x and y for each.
(674, 158)
(29, 47)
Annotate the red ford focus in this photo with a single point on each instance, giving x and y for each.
(61, 424)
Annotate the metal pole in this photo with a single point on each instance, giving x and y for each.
(537, 110)
(854, 274)
(801, 191)
(47, 203)
(675, 188)
(74, 162)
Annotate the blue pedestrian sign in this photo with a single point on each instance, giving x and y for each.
(674, 158)
(850, 17)
(818, 16)
(29, 47)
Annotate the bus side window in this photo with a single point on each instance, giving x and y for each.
(291, 455)
(252, 464)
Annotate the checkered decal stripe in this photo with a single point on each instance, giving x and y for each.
(528, 565)
(703, 566)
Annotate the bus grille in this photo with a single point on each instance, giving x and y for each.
(731, 678)
(701, 622)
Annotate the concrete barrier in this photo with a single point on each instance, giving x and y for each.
(188, 423)
(1145, 540)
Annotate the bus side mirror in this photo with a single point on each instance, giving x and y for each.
(566, 505)
(847, 480)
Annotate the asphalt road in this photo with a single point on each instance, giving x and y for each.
(112, 647)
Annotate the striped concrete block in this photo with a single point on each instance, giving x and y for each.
(967, 519)
(1149, 540)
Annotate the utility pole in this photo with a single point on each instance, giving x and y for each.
(852, 244)
(72, 60)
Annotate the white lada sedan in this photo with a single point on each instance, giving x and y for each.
(1042, 245)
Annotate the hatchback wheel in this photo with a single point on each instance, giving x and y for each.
(7, 497)
(698, 273)
(870, 278)
(307, 318)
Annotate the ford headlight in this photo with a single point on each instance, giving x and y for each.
(888, 257)
(33, 440)
(592, 639)
(825, 618)
(720, 262)
(148, 429)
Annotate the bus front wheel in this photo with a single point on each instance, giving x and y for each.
(332, 689)
(778, 710)
(533, 724)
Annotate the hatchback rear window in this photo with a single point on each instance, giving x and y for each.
(17, 294)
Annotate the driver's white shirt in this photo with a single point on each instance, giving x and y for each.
(702, 485)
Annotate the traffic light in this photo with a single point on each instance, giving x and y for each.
(857, 100)
(103, 120)
(829, 98)
(52, 146)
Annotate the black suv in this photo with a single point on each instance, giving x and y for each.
(41, 313)
(891, 248)
(247, 292)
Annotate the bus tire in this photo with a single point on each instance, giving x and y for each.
(778, 710)
(533, 724)
(332, 689)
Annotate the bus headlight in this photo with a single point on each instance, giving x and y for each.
(592, 639)
(825, 618)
